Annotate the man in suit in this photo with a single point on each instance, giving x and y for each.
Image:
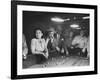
(53, 41)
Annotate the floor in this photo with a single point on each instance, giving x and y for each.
(56, 61)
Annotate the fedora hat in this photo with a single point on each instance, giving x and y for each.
(51, 30)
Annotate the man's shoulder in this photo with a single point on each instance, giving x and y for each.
(77, 37)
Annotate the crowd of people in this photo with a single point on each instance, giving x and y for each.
(67, 44)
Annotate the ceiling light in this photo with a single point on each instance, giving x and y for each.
(74, 25)
(87, 17)
(67, 19)
(57, 19)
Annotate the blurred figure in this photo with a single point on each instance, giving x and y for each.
(88, 48)
(24, 47)
(67, 43)
(79, 43)
(38, 46)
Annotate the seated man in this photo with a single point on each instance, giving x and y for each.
(53, 41)
(24, 47)
(79, 43)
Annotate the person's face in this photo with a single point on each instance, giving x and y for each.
(51, 34)
(39, 34)
(81, 33)
(71, 34)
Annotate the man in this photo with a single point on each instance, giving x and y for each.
(53, 41)
(79, 43)
(67, 43)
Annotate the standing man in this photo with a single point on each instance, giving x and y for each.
(67, 43)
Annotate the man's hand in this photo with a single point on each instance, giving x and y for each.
(83, 50)
(45, 53)
(62, 50)
(57, 48)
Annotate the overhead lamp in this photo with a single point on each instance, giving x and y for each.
(86, 17)
(74, 26)
(57, 19)
(67, 19)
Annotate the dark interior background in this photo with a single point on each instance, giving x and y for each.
(32, 20)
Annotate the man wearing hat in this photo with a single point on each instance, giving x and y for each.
(52, 41)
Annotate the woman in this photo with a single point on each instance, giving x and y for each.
(38, 46)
